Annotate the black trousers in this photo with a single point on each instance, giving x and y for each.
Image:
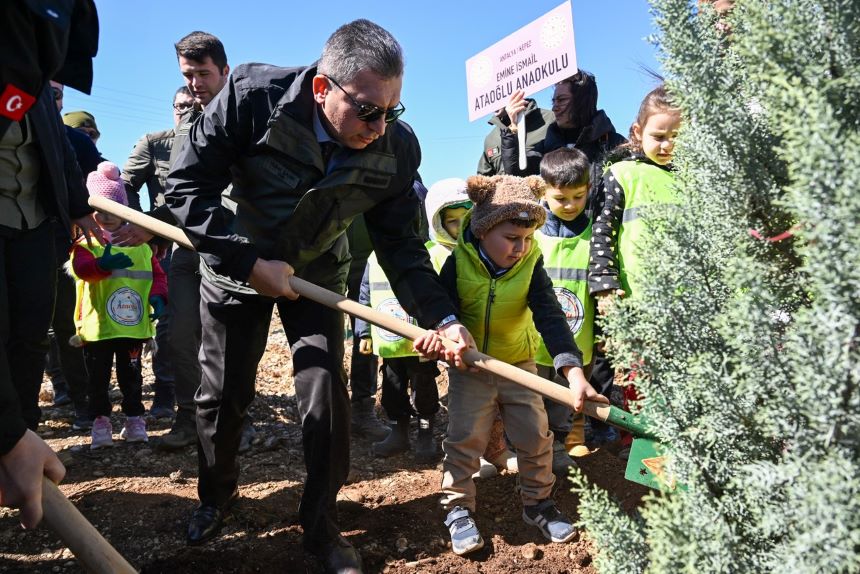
(235, 329)
(28, 276)
(363, 368)
(100, 356)
(183, 296)
(67, 359)
(397, 376)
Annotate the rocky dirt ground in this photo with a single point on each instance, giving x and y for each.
(140, 499)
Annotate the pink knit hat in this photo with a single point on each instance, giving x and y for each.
(105, 182)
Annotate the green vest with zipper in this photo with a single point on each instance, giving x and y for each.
(644, 185)
(496, 310)
(565, 260)
(117, 306)
(386, 344)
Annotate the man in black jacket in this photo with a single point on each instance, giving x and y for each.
(306, 150)
(39, 181)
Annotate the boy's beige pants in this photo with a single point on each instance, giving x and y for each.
(472, 403)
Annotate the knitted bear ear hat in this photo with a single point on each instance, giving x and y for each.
(105, 182)
(503, 198)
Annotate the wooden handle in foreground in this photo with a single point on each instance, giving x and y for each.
(472, 357)
(93, 552)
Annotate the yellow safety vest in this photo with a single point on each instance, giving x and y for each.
(565, 260)
(117, 306)
(644, 185)
(386, 344)
(495, 310)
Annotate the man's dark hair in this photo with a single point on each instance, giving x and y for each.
(198, 45)
(183, 90)
(565, 167)
(361, 45)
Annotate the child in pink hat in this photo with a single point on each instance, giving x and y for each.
(121, 291)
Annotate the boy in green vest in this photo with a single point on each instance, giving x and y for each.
(497, 280)
(564, 240)
(401, 366)
(116, 287)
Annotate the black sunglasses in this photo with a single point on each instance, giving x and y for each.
(369, 112)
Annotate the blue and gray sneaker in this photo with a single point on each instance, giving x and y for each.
(465, 537)
(552, 523)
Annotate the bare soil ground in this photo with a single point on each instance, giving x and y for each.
(140, 499)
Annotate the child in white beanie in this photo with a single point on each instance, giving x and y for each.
(121, 291)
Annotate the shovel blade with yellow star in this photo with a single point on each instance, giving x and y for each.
(647, 461)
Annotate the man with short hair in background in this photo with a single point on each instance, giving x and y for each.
(149, 164)
(203, 64)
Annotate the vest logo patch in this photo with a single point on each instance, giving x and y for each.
(125, 307)
(573, 309)
(15, 102)
(392, 307)
(492, 151)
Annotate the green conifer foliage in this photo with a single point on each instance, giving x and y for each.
(746, 350)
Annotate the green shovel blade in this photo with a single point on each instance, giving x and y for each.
(647, 465)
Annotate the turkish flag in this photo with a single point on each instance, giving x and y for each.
(15, 102)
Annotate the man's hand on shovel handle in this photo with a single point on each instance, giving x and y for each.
(272, 278)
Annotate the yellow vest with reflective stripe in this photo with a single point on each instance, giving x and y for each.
(386, 344)
(496, 311)
(438, 254)
(566, 262)
(644, 185)
(117, 306)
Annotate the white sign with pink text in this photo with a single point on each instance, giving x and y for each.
(534, 57)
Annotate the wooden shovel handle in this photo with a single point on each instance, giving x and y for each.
(93, 552)
(333, 300)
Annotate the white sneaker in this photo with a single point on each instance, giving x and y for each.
(134, 430)
(465, 537)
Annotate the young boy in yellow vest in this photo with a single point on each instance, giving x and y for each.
(564, 242)
(497, 279)
(116, 287)
(446, 202)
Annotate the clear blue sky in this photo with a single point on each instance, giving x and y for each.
(136, 72)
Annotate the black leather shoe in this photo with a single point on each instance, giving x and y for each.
(339, 557)
(207, 521)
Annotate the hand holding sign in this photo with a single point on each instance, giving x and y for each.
(515, 106)
(534, 57)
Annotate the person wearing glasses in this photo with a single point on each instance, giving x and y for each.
(307, 150)
(203, 64)
(149, 164)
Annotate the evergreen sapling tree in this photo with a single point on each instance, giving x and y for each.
(744, 339)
